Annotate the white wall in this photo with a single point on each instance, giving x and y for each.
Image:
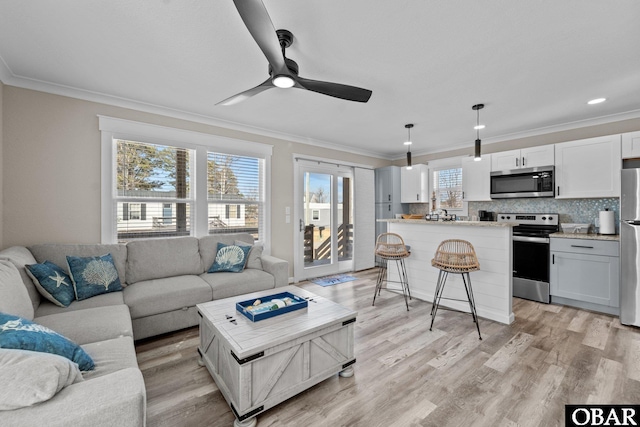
(1, 164)
(51, 168)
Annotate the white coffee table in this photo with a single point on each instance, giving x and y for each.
(257, 365)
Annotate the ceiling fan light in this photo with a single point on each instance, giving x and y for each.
(283, 81)
(479, 127)
(407, 143)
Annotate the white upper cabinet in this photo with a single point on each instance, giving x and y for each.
(524, 158)
(588, 168)
(476, 185)
(415, 184)
(631, 145)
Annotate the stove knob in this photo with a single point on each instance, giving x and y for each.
(544, 218)
(502, 217)
(550, 218)
(508, 217)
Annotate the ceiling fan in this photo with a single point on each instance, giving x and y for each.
(283, 72)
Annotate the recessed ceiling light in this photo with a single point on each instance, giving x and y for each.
(596, 101)
(479, 127)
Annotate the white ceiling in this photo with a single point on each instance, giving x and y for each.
(534, 64)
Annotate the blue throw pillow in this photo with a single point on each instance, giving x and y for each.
(52, 282)
(22, 334)
(93, 275)
(231, 258)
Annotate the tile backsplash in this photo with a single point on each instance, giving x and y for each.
(583, 211)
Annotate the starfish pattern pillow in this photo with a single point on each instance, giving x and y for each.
(52, 282)
(93, 276)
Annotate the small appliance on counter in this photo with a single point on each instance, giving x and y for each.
(486, 216)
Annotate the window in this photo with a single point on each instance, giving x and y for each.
(447, 189)
(315, 215)
(159, 182)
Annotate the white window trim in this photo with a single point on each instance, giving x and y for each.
(113, 128)
(441, 164)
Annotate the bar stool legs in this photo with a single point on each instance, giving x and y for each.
(442, 278)
(402, 274)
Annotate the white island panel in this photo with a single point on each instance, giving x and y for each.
(492, 284)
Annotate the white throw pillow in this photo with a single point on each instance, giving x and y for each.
(30, 377)
(14, 297)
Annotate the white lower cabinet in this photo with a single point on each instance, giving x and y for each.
(585, 273)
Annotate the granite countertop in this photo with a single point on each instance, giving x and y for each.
(610, 237)
(463, 223)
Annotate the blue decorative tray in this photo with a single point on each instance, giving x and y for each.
(296, 303)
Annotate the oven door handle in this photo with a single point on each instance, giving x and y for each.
(531, 239)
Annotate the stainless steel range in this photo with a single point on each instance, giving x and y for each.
(531, 253)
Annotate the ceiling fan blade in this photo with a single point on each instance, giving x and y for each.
(235, 99)
(350, 93)
(257, 20)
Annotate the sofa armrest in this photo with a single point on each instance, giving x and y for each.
(278, 268)
(118, 399)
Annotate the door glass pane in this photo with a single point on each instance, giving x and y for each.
(345, 220)
(317, 219)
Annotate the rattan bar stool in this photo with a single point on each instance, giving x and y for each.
(391, 247)
(455, 256)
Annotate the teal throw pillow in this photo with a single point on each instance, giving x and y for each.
(53, 283)
(22, 334)
(93, 275)
(231, 258)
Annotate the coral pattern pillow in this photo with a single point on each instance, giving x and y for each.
(93, 275)
(231, 258)
(22, 334)
(52, 282)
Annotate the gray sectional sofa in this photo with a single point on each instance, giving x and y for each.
(163, 280)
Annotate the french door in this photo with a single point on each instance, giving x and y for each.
(324, 213)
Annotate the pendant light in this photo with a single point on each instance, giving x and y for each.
(408, 144)
(478, 155)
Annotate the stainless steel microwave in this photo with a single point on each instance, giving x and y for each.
(526, 182)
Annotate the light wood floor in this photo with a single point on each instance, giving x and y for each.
(522, 374)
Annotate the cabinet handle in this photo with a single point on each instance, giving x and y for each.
(553, 258)
(558, 190)
(389, 208)
(517, 160)
(523, 161)
(463, 195)
(389, 197)
(580, 246)
(417, 196)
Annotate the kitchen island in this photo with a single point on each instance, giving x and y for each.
(492, 285)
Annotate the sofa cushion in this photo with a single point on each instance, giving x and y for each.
(113, 298)
(111, 356)
(209, 245)
(92, 324)
(254, 254)
(156, 296)
(160, 258)
(14, 298)
(30, 377)
(22, 334)
(52, 283)
(20, 256)
(225, 285)
(231, 258)
(57, 254)
(93, 275)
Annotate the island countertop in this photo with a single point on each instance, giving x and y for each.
(463, 223)
(609, 237)
(492, 284)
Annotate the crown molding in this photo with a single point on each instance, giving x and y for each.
(38, 85)
(578, 124)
